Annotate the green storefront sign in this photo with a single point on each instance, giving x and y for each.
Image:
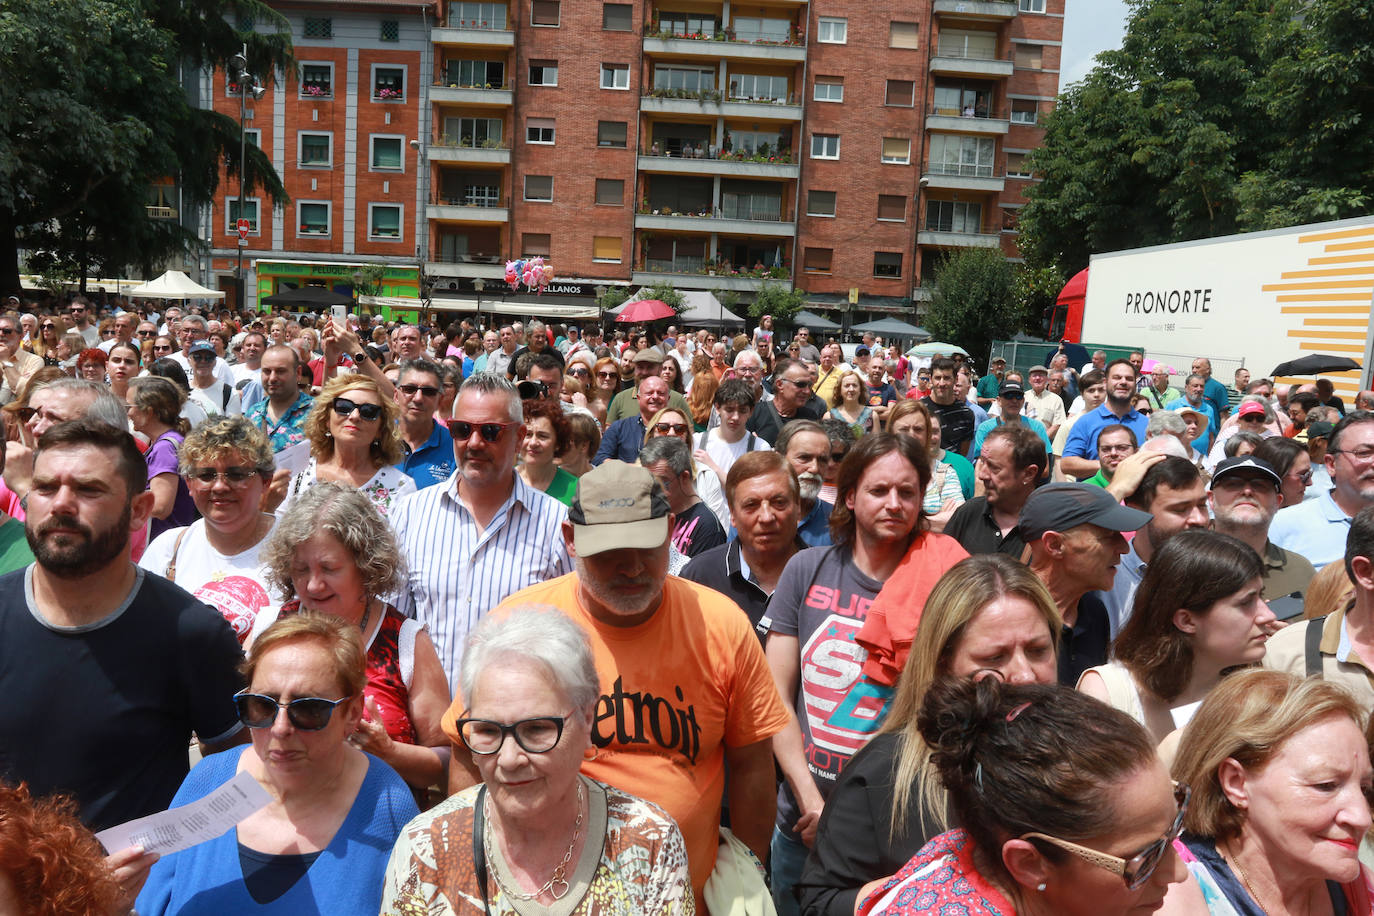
(397, 280)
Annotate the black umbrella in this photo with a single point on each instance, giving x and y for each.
(308, 295)
(1314, 364)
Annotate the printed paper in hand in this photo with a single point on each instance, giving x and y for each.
(181, 828)
(293, 458)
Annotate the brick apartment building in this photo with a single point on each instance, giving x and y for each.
(712, 144)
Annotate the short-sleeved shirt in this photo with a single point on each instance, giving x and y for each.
(1316, 528)
(1286, 577)
(956, 422)
(992, 423)
(105, 711)
(964, 468)
(1082, 441)
(1214, 393)
(14, 546)
(287, 430)
(433, 461)
(973, 526)
(989, 386)
(1084, 645)
(161, 458)
(696, 530)
(882, 395)
(1287, 651)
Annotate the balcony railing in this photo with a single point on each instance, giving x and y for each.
(442, 258)
(969, 54)
(794, 39)
(957, 227)
(962, 170)
(973, 113)
(715, 95)
(480, 25)
(700, 267)
(454, 84)
(709, 151)
(469, 143)
(751, 212)
(468, 200)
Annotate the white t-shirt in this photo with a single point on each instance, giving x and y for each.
(724, 454)
(236, 585)
(222, 371)
(243, 374)
(213, 403)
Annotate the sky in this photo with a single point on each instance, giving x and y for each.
(1089, 26)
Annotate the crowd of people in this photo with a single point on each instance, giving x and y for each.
(582, 620)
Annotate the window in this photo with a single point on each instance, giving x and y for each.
(829, 89)
(615, 76)
(754, 86)
(758, 29)
(232, 214)
(891, 207)
(702, 24)
(896, 150)
(954, 216)
(967, 44)
(617, 17)
(1029, 57)
(610, 192)
(825, 146)
(389, 84)
(1018, 165)
(539, 130)
(390, 30)
(388, 154)
(477, 74)
(1024, 111)
(538, 187)
(816, 260)
(887, 263)
(253, 135)
(901, 93)
(820, 203)
(317, 81)
(544, 12)
(318, 28)
(745, 202)
(966, 100)
(1031, 6)
(954, 154)
(543, 73)
(470, 14)
(832, 31)
(693, 79)
(606, 248)
(384, 222)
(902, 35)
(315, 150)
(534, 245)
(611, 133)
(312, 217)
(477, 133)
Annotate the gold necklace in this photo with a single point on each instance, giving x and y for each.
(1245, 879)
(559, 879)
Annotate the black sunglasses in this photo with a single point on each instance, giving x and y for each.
(343, 407)
(309, 714)
(535, 736)
(140, 333)
(203, 356)
(48, 327)
(490, 432)
(677, 429)
(428, 391)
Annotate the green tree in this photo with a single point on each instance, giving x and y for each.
(974, 302)
(777, 300)
(664, 292)
(94, 109)
(1036, 289)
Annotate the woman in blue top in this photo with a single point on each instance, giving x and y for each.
(321, 844)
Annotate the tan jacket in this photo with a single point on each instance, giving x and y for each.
(1287, 652)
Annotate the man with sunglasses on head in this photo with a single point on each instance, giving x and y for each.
(428, 445)
(484, 533)
(107, 668)
(1317, 528)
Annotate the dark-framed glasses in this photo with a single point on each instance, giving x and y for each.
(1135, 870)
(344, 407)
(308, 714)
(537, 735)
(490, 432)
(428, 391)
(676, 429)
(234, 477)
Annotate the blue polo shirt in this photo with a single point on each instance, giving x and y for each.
(1202, 443)
(1214, 393)
(1083, 437)
(1316, 528)
(992, 423)
(814, 529)
(432, 462)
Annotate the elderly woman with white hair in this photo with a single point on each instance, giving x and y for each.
(536, 835)
(333, 552)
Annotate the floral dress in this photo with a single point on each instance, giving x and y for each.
(384, 489)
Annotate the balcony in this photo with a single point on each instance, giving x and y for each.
(724, 44)
(965, 122)
(739, 165)
(483, 154)
(710, 102)
(453, 94)
(470, 209)
(491, 267)
(945, 176)
(944, 235)
(992, 10)
(161, 212)
(732, 221)
(951, 62)
(699, 279)
(473, 33)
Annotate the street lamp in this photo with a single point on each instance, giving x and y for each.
(242, 76)
(479, 284)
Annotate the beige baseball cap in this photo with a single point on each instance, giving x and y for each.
(618, 506)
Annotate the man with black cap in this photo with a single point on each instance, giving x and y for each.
(1246, 492)
(685, 689)
(1074, 532)
(1011, 397)
(626, 404)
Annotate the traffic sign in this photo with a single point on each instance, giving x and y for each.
(243, 227)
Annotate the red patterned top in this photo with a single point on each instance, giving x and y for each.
(941, 875)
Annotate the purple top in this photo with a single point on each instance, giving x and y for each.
(162, 459)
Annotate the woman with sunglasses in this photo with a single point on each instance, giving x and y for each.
(1199, 612)
(227, 465)
(535, 836)
(155, 413)
(1009, 757)
(320, 844)
(672, 422)
(50, 331)
(988, 616)
(333, 553)
(547, 437)
(69, 347)
(1294, 466)
(1281, 771)
(353, 441)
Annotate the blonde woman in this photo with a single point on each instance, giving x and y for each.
(847, 403)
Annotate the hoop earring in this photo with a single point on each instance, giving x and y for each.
(596, 752)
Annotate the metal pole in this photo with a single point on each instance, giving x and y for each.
(243, 168)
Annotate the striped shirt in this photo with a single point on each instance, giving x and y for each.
(456, 572)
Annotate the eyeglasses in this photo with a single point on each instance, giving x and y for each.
(538, 735)
(48, 327)
(234, 477)
(344, 407)
(1115, 449)
(428, 391)
(140, 333)
(1137, 869)
(612, 375)
(1361, 454)
(677, 429)
(490, 432)
(1305, 478)
(203, 356)
(1146, 411)
(579, 373)
(1238, 482)
(8, 331)
(309, 714)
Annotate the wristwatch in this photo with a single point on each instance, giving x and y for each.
(360, 356)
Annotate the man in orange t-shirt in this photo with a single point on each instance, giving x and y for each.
(685, 688)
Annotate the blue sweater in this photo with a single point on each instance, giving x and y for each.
(346, 878)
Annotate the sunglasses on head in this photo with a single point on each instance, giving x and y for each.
(309, 714)
(489, 432)
(343, 407)
(428, 391)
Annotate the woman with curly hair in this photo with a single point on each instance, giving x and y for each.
(547, 437)
(353, 441)
(50, 865)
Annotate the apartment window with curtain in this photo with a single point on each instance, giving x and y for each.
(544, 12)
(903, 35)
(817, 260)
(388, 154)
(606, 249)
(610, 192)
(896, 150)
(891, 207)
(384, 222)
(534, 245)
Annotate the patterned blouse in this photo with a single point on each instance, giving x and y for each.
(385, 488)
(642, 869)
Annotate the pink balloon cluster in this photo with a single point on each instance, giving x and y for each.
(534, 274)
